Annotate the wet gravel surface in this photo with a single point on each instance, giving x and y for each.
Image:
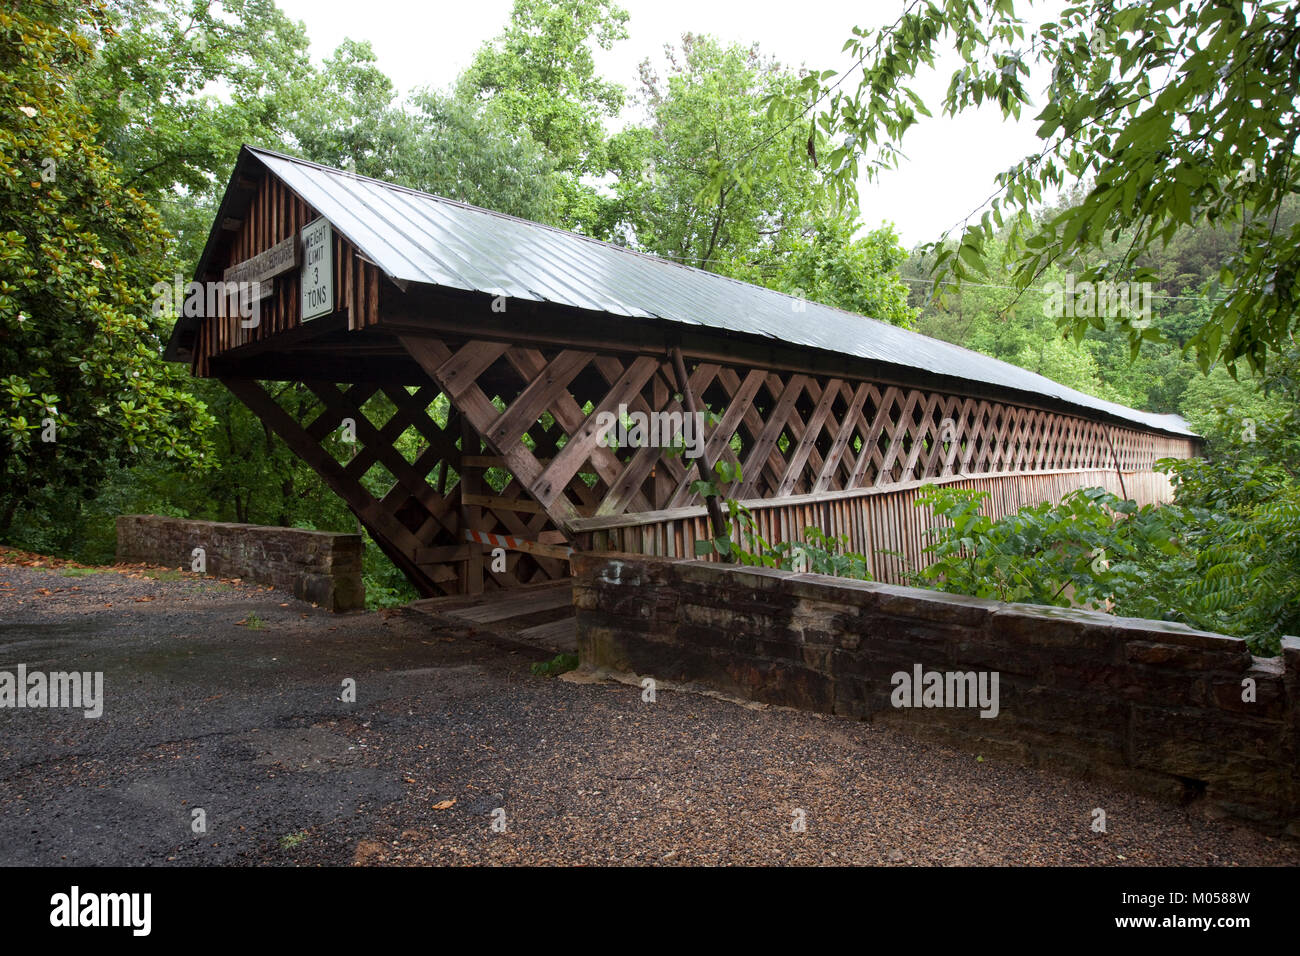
(225, 697)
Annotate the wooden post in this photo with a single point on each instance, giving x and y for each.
(471, 516)
(703, 463)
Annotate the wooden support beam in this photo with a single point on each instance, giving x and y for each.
(841, 443)
(582, 444)
(898, 432)
(669, 471)
(396, 541)
(471, 516)
(481, 414)
(509, 504)
(739, 408)
(799, 454)
(704, 464)
(569, 416)
(919, 432)
(766, 441)
(537, 397)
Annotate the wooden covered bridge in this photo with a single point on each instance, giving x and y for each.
(477, 356)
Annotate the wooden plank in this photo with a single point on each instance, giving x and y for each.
(462, 370)
(582, 443)
(799, 457)
(476, 568)
(537, 397)
(899, 434)
(377, 446)
(624, 487)
(396, 541)
(504, 608)
(543, 324)
(626, 491)
(841, 443)
(560, 634)
(453, 603)
(266, 265)
(593, 523)
(570, 417)
(718, 446)
(442, 554)
(766, 441)
(645, 462)
(508, 504)
(372, 295)
(880, 518)
(918, 432)
(870, 452)
(527, 546)
(479, 410)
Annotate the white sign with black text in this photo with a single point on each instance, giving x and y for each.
(317, 272)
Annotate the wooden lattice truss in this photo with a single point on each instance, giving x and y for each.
(504, 439)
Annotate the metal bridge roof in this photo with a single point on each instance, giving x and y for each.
(417, 237)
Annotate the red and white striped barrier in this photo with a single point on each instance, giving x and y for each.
(511, 543)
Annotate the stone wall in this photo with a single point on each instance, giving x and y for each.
(316, 566)
(1150, 705)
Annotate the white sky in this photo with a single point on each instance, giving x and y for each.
(951, 162)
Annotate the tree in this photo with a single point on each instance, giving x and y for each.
(81, 374)
(1171, 113)
(465, 151)
(539, 75)
(859, 274)
(175, 86)
(347, 116)
(706, 115)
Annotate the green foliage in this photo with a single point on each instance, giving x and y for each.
(1070, 553)
(464, 150)
(81, 377)
(292, 840)
(539, 75)
(152, 90)
(1213, 143)
(1013, 325)
(385, 585)
(741, 541)
(81, 572)
(557, 665)
(821, 553)
(706, 115)
(861, 275)
(346, 115)
(1224, 557)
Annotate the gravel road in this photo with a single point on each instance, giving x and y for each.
(225, 697)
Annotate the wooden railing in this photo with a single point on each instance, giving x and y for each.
(875, 520)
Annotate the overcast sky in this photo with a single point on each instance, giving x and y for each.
(951, 163)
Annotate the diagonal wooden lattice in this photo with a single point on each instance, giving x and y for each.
(421, 507)
(791, 434)
(520, 450)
